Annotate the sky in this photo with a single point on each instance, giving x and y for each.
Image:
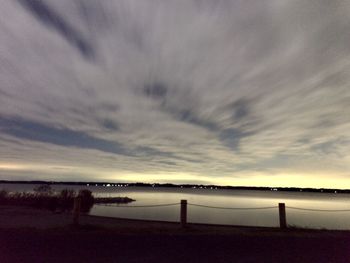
(243, 92)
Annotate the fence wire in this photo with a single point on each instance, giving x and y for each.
(318, 210)
(233, 208)
(138, 206)
(227, 208)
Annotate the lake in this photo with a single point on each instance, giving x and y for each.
(145, 196)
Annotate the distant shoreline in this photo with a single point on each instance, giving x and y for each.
(187, 186)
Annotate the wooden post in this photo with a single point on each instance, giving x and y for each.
(282, 213)
(76, 210)
(183, 213)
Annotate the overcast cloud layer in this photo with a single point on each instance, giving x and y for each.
(223, 92)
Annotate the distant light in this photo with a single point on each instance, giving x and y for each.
(95, 184)
(108, 185)
(87, 184)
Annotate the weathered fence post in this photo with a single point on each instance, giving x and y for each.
(183, 213)
(282, 213)
(76, 210)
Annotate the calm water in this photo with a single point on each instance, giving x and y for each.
(220, 198)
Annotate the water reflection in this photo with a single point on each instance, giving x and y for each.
(229, 198)
(221, 198)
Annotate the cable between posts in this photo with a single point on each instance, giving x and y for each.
(227, 208)
(234, 208)
(318, 210)
(138, 206)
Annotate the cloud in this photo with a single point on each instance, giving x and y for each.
(110, 125)
(227, 89)
(232, 137)
(29, 130)
(155, 90)
(50, 18)
(240, 109)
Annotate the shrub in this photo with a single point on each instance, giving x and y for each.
(66, 199)
(87, 200)
(3, 196)
(3, 193)
(67, 194)
(44, 189)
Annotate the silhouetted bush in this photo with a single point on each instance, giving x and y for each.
(3, 195)
(66, 199)
(44, 189)
(45, 198)
(67, 194)
(87, 200)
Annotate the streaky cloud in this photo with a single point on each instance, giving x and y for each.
(39, 132)
(155, 90)
(231, 137)
(34, 131)
(240, 109)
(110, 125)
(50, 18)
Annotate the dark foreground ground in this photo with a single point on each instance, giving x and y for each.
(35, 236)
